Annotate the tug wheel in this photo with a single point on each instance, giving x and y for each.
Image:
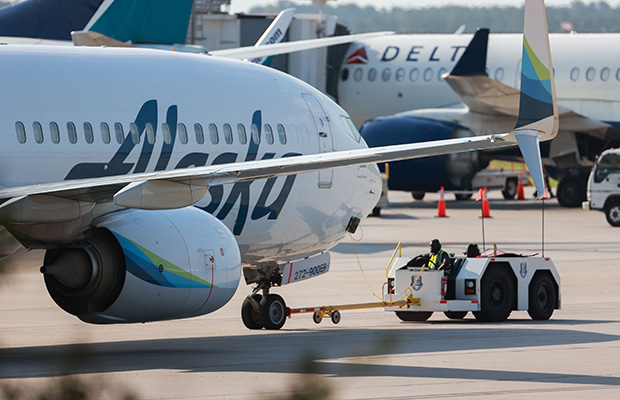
(413, 316)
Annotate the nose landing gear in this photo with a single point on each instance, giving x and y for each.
(268, 310)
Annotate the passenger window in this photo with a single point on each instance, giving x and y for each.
(150, 133)
(228, 135)
(358, 74)
(400, 75)
(386, 74)
(305, 135)
(38, 132)
(499, 74)
(574, 74)
(54, 132)
(605, 74)
(255, 134)
(243, 137)
(428, 74)
(119, 132)
(182, 133)
(105, 132)
(165, 128)
(268, 134)
(200, 136)
(440, 74)
(345, 74)
(414, 74)
(88, 133)
(372, 74)
(281, 134)
(20, 129)
(618, 74)
(213, 134)
(590, 73)
(292, 134)
(72, 132)
(135, 133)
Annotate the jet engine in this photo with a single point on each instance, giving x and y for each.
(139, 266)
(453, 171)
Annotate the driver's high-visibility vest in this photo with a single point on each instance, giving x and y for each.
(434, 261)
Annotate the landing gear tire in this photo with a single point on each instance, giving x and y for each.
(497, 296)
(272, 312)
(336, 317)
(543, 297)
(418, 195)
(510, 190)
(249, 316)
(317, 317)
(612, 213)
(455, 314)
(413, 316)
(463, 196)
(571, 191)
(376, 212)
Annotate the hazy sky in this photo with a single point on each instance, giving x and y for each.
(245, 5)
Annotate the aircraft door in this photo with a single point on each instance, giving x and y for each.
(326, 141)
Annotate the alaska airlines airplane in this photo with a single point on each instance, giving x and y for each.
(399, 73)
(150, 177)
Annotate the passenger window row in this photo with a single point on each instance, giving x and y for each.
(591, 74)
(400, 75)
(150, 133)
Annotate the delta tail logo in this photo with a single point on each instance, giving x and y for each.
(359, 56)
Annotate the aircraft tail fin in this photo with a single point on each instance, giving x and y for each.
(274, 33)
(474, 59)
(538, 109)
(142, 21)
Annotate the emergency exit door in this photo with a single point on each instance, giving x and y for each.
(324, 136)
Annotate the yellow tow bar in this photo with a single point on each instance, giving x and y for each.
(333, 312)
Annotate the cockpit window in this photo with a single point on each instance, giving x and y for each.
(350, 128)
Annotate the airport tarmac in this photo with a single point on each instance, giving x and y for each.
(371, 354)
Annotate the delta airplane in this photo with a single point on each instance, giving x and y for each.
(153, 179)
(405, 75)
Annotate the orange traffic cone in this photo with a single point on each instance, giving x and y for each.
(486, 210)
(441, 206)
(520, 195)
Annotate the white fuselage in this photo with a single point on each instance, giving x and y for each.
(404, 72)
(67, 98)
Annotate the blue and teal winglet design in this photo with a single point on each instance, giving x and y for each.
(538, 110)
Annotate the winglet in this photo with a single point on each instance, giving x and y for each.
(538, 110)
(474, 59)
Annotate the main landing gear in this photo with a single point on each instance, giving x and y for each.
(266, 310)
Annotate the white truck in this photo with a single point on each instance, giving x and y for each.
(490, 287)
(604, 186)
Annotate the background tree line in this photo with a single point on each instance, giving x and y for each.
(593, 17)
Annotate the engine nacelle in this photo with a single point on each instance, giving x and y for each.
(139, 266)
(453, 171)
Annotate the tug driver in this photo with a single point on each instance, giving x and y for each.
(437, 258)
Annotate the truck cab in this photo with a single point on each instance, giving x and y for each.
(604, 186)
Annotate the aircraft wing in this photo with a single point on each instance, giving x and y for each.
(241, 53)
(184, 187)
